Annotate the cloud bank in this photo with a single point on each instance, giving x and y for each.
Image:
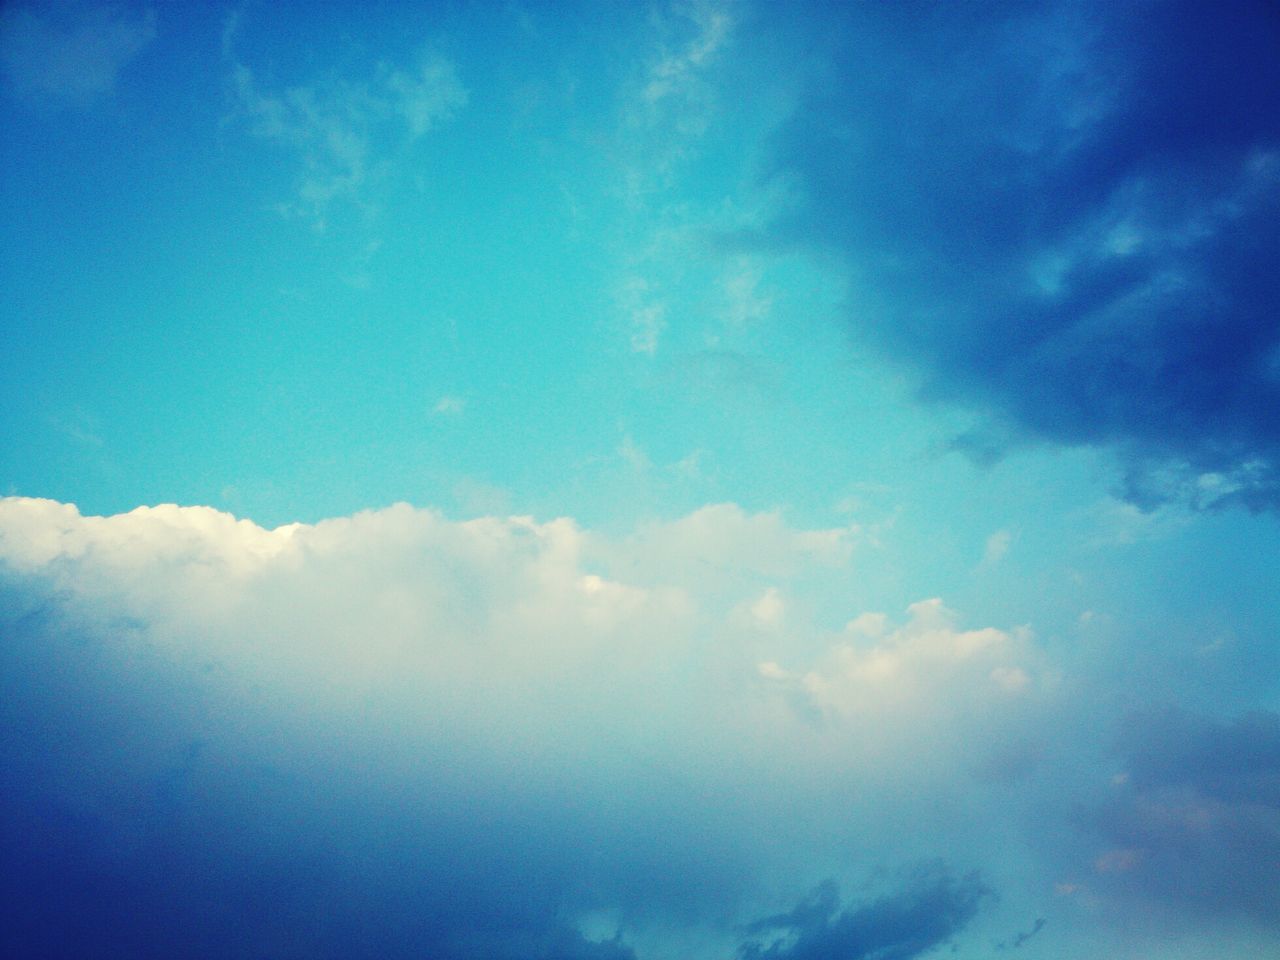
(379, 735)
(395, 734)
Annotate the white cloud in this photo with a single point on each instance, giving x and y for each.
(425, 96)
(72, 54)
(920, 688)
(722, 544)
(666, 700)
(558, 624)
(769, 610)
(673, 99)
(1112, 523)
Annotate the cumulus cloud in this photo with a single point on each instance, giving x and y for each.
(1066, 217)
(393, 734)
(477, 733)
(879, 669)
(70, 53)
(722, 544)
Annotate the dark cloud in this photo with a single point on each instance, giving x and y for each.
(1066, 217)
(928, 911)
(1196, 822)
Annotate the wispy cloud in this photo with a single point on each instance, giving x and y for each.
(69, 54)
(996, 547)
(347, 135)
(644, 314)
(675, 74)
(675, 96)
(745, 303)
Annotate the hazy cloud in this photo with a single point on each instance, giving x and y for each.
(1195, 819)
(70, 53)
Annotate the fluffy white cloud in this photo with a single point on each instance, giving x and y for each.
(512, 634)
(916, 667)
(925, 700)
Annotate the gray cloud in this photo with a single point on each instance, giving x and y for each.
(1196, 816)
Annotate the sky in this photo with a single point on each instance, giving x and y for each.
(710, 480)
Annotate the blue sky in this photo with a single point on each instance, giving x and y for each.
(639, 481)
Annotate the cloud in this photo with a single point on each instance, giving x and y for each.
(645, 315)
(449, 405)
(917, 668)
(1066, 218)
(932, 909)
(722, 543)
(673, 98)
(1195, 820)
(996, 547)
(393, 734)
(674, 75)
(1020, 938)
(406, 734)
(69, 54)
(346, 135)
(745, 304)
(668, 105)
(368, 724)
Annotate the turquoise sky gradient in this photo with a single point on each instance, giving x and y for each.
(706, 343)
